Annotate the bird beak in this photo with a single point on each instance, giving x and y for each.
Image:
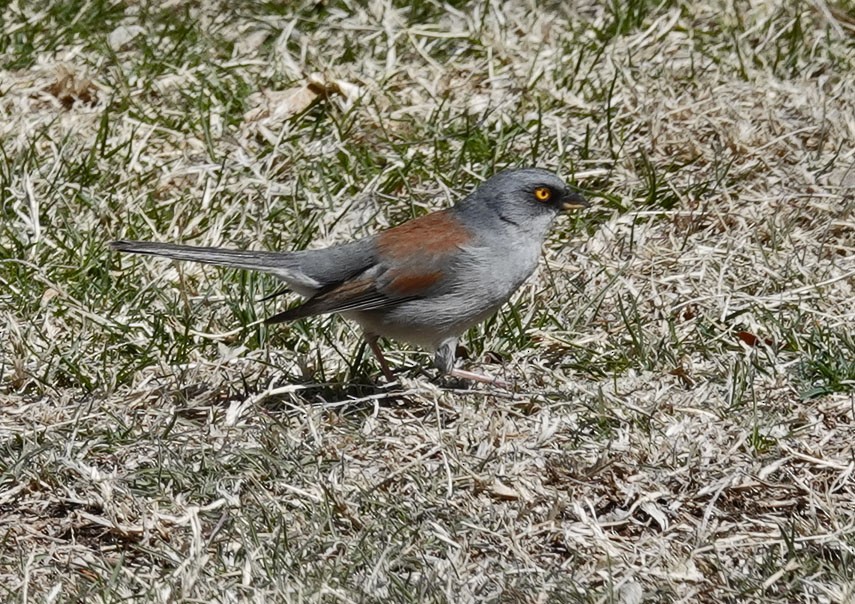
(574, 201)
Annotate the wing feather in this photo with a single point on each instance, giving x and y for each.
(412, 262)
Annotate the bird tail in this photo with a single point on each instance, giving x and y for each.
(283, 265)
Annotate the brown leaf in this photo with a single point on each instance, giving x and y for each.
(752, 340)
(748, 338)
(278, 105)
(69, 89)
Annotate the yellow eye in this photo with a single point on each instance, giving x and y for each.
(542, 194)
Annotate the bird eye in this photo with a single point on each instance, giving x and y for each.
(542, 193)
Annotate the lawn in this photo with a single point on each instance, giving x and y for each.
(682, 422)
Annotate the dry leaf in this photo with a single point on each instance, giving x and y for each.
(69, 89)
(272, 106)
(749, 339)
(652, 510)
(631, 593)
(121, 37)
(48, 295)
(499, 490)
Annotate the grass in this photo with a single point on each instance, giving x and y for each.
(681, 429)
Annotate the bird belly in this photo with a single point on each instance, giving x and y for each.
(425, 323)
(486, 280)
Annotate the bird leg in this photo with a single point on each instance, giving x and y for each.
(371, 340)
(444, 361)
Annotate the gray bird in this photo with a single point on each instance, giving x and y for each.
(425, 281)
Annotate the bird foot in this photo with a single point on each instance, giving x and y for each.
(478, 377)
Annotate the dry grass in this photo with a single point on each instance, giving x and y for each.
(685, 358)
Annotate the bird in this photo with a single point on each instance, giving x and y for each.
(423, 282)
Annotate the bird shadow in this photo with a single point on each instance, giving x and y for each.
(360, 393)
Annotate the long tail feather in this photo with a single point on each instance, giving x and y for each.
(280, 264)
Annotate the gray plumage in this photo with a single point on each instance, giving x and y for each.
(425, 281)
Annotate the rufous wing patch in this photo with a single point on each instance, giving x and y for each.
(412, 257)
(432, 235)
(406, 285)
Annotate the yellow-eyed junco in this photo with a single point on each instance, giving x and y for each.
(425, 281)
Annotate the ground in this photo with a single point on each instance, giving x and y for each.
(681, 423)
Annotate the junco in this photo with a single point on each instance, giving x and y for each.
(425, 281)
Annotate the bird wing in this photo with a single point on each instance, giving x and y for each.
(413, 260)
